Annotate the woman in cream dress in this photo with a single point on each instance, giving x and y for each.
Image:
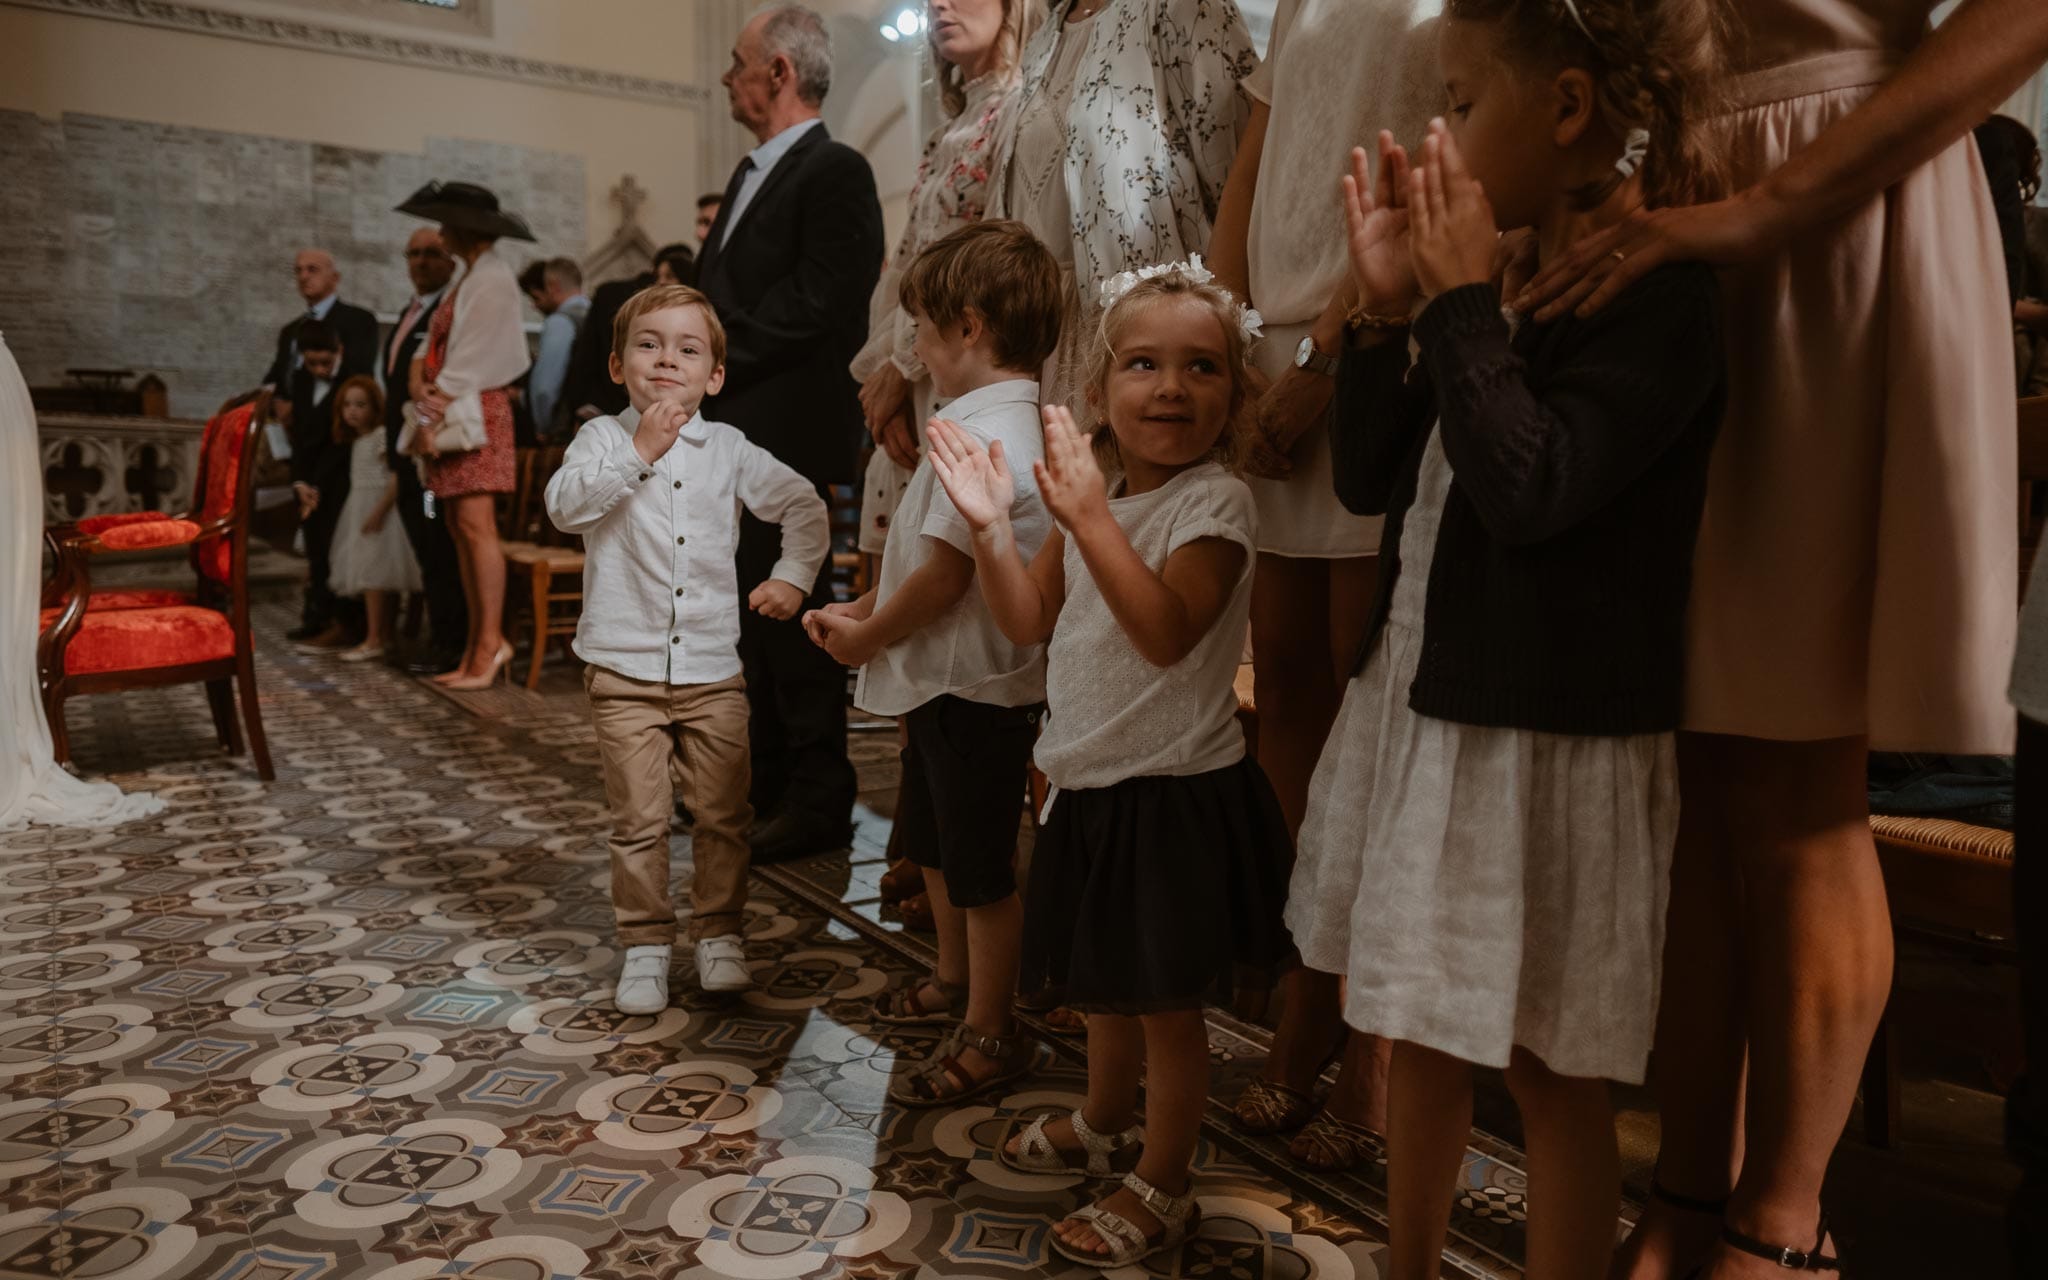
(1855, 579)
(1336, 72)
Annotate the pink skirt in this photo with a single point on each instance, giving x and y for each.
(491, 469)
(1857, 571)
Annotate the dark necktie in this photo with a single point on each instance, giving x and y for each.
(729, 207)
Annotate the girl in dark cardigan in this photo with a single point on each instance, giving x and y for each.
(1489, 830)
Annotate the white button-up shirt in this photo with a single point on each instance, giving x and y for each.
(661, 598)
(765, 158)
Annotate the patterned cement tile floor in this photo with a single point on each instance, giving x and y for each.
(355, 1023)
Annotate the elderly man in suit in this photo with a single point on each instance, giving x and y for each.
(319, 283)
(789, 263)
(429, 267)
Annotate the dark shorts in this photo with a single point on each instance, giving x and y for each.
(963, 794)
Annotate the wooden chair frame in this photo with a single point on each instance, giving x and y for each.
(222, 676)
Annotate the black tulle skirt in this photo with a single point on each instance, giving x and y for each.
(1157, 893)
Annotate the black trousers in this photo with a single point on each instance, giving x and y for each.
(322, 606)
(2026, 1112)
(797, 693)
(440, 572)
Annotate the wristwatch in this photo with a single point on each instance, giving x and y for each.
(1307, 357)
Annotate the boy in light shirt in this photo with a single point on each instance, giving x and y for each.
(988, 305)
(656, 494)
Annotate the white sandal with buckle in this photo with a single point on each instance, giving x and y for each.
(1178, 1216)
(1036, 1153)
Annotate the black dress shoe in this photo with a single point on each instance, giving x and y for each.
(304, 632)
(432, 664)
(791, 835)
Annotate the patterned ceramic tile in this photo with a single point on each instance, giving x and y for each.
(357, 1023)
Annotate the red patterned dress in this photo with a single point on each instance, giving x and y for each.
(491, 469)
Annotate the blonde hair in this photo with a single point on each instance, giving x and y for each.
(663, 297)
(1021, 19)
(1234, 442)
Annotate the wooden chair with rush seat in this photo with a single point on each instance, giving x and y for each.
(1950, 883)
(549, 562)
(103, 642)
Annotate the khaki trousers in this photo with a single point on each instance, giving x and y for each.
(642, 728)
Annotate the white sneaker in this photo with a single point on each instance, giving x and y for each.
(722, 964)
(643, 983)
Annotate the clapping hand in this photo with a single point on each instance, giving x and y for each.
(1376, 220)
(1069, 479)
(1451, 232)
(838, 632)
(657, 431)
(977, 480)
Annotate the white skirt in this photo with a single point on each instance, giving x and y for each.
(1485, 888)
(1300, 516)
(380, 561)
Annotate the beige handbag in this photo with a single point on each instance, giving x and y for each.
(460, 430)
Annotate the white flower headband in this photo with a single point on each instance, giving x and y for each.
(1249, 322)
(1637, 142)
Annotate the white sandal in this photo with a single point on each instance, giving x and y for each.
(1036, 1153)
(1178, 1216)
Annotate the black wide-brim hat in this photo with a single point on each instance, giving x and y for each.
(467, 206)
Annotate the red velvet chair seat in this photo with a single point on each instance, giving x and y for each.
(143, 639)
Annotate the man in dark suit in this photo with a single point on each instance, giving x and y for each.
(318, 279)
(320, 467)
(429, 267)
(589, 385)
(790, 264)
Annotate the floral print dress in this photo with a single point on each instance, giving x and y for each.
(949, 192)
(1126, 127)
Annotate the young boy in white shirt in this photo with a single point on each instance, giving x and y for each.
(656, 493)
(988, 304)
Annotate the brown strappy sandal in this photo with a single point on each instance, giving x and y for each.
(903, 1005)
(1266, 1107)
(1331, 1144)
(942, 1080)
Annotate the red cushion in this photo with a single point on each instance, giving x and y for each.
(141, 639)
(149, 533)
(221, 457)
(100, 524)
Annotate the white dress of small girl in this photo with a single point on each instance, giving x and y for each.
(33, 787)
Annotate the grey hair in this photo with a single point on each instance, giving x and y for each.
(799, 34)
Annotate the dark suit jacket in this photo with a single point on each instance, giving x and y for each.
(314, 451)
(589, 380)
(358, 330)
(407, 345)
(792, 289)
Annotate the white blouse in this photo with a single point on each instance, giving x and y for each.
(949, 192)
(1336, 73)
(486, 339)
(1112, 715)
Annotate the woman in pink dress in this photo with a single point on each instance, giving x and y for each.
(475, 349)
(1855, 579)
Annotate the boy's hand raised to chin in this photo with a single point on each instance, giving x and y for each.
(659, 426)
(774, 598)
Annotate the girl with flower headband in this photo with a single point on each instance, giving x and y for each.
(1486, 851)
(1158, 874)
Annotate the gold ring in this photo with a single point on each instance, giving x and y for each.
(1618, 256)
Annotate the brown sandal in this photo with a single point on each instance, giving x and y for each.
(1329, 1144)
(903, 1005)
(1266, 1107)
(942, 1080)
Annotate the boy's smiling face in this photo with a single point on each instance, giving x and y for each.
(668, 358)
